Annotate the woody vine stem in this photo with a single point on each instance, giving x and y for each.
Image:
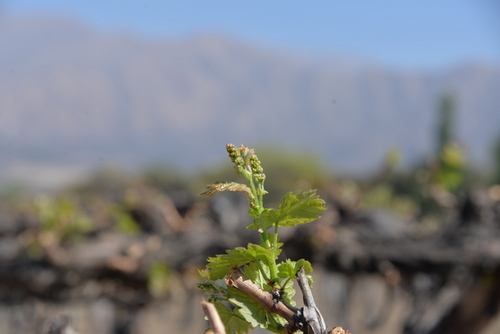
(247, 285)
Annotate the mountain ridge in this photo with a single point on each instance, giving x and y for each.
(72, 94)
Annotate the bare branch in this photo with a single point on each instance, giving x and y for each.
(213, 318)
(312, 316)
(264, 298)
(308, 319)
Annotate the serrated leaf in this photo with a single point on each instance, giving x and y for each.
(289, 268)
(227, 186)
(233, 321)
(212, 288)
(276, 323)
(294, 209)
(252, 272)
(204, 274)
(253, 212)
(289, 293)
(253, 312)
(265, 220)
(222, 264)
(205, 286)
(300, 208)
(249, 308)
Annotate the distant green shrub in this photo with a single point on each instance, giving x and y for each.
(159, 279)
(62, 218)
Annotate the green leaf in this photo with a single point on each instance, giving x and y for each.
(253, 312)
(289, 293)
(249, 308)
(289, 268)
(267, 218)
(300, 208)
(216, 290)
(276, 323)
(252, 272)
(293, 209)
(204, 274)
(221, 265)
(253, 212)
(233, 321)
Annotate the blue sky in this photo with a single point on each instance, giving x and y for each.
(408, 34)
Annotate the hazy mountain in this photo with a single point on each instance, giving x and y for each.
(70, 94)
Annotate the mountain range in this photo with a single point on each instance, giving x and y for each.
(71, 95)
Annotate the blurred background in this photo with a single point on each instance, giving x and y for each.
(114, 116)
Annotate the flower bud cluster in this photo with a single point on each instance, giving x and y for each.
(245, 159)
(255, 164)
(259, 177)
(235, 154)
(257, 170)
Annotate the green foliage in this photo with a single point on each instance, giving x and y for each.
(158, 279)
(259, 263)
(234, 319)
(293, 209)
(221, 265)
(383, 197)
(123, 221)
(62, 218)
(289, 268)
(450, 173)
